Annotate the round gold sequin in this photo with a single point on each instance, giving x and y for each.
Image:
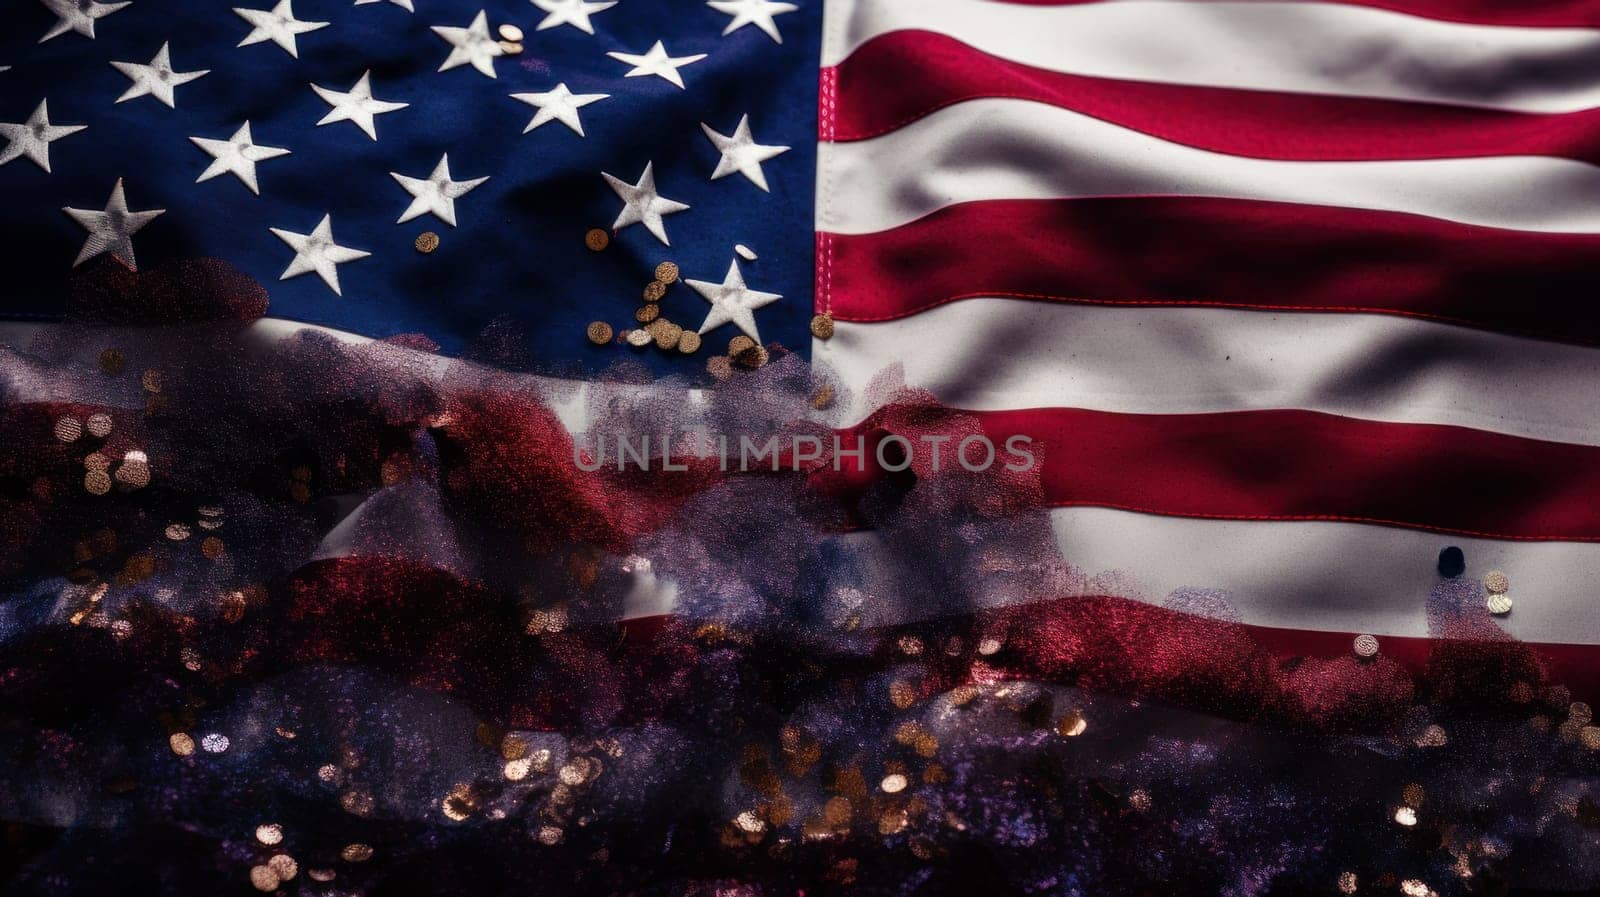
(270, 834)
(181, 744)
(427, 242)
(323, 875)
(97, 482)
(263, 878)
(893, 784)
(719, 367)
(112, 361)
(151, 380)
(1347, 882)
(1072, 725)
(745, 252)
(599, 332)
(667, 272)
(284, 866)
(135, 470)
(596, 239)
(68, 429)
(96, 461)
(822, 326)
(1366, 646)
(688, 342)
(739, 344)
(177, 532)
(212, 548)
(99, 425)
(639, 337)
(517, 770)
(511, 32)
(1415, 887)
(215, 743)
(666, 333)
(510, 47)
(1497, 583)
(644, 314)
(1589, 736)
(356, 853)
(1405, 816)
(549, 835)
(654, 291)
(1499, 604)
(753, 357)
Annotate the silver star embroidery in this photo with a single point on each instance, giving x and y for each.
(32, 138)
(560, 105)
(238, 155)
(571, 12)
(752, 12)
(732, 302)
(656, 62)
(403, 4)
(317, 252)
(471, 45)
(111, 230)
(157, 79)
(277, 25)
(435, 194)
(77, 15)
(642, 204)
(356, 105)
(741, 153)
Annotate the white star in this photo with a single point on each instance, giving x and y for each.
(318, 252)
(732, 302)
(238, 154)
(33, 137)
(436, 194)
(655, 61)
(403, 4)
(741, 153)
(642, 204)
(560, 105)
(277, 25)
(752, 12)
(157, 79)
(111, 230)
(471, 44)
(77, 15)
(571, 12)
(357, 105)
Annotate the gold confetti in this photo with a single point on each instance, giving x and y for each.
(151, 380)
(689, 342)
(68, 429)
(599, 332)
(644, 314)
(112, 361)
(667, 333)
(596, 239)
(181, 744)
(427, 242)
(511, 32)
(654, 291)
(822, 326)
(667, 272)
(356, 853)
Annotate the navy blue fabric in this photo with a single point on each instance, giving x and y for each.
(519, 248)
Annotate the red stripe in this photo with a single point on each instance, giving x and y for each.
(1223, 253)
(1304, 465)
(1570, 13)
(899, 77)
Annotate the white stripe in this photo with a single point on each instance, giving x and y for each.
(1331, 577)
(996, 354)
(1017, 149)
(1301, 47)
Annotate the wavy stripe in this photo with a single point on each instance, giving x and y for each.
(1303, 465)
(1325, 576)
(900, 77)
(1318, 48)
(998, 354)
(1224, 253)
(1015, 149)
(1532, 13)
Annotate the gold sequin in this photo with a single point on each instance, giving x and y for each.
(284, 866)
(667, 272)
(666, 333)
(549, 835)
(1499, 604)
(745, 252)
(1497, 582)
(688, 342)
(740, 343)
(644, 314)
(640, 337)
(1072, 725)
(510, 47)
(97, 482)
(356, 853)
(654, 291)
(511, 32)
(212, 548)
(599, 332)
(263, 878)
(99, 425)
(270, 834)
(135, 469)
(1406, 816)
(177, 532)
(181, 744)
(517, 770)
(151, 380)
(1366, 646)
(753, 357)
(596, 239)
(427, 242)
(823, 399)
(1590, 737)
(893, 784)
(822, 326)
(68, 429)
(719, 367)
(112, 361)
